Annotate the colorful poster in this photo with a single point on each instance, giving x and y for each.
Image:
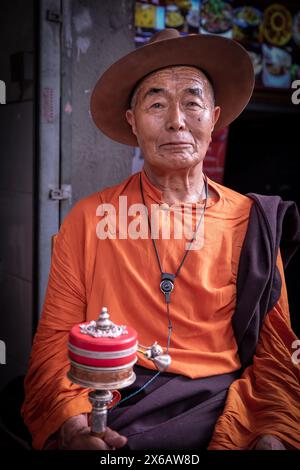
(269, 30)
(152, 16)
(214, 162)
(216, 17)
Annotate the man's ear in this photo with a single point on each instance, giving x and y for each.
(216, 115)
(131, 120)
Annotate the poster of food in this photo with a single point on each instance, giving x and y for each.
(270, 32)
(152, 16)
(268, 29)
(215, 17)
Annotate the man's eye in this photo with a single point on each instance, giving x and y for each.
(156, 105)
(193, 103)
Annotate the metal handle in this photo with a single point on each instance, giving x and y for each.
(99, 400)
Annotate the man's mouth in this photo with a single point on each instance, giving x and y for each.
(176, 144)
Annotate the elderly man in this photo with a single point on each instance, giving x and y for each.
(232, 383)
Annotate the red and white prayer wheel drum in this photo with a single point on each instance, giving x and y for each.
(102, 354)
(102, 357)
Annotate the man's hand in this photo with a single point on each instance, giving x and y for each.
(269, 442)
(75, 435)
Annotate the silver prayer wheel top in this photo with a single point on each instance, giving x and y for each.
(103, 327)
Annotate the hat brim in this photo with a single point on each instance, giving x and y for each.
(227, 64)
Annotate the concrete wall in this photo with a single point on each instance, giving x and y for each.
(99, 33)
(94, 34)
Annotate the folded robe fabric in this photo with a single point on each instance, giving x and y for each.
(273, 223)
(173, 412)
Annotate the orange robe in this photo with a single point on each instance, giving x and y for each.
(88, 273)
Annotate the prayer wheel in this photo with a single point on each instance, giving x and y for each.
(102, 356)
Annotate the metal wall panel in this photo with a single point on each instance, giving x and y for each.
(49, 137)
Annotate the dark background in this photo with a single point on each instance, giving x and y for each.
(263, 157)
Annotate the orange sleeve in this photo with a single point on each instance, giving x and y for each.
(50, 398)
(265, 400)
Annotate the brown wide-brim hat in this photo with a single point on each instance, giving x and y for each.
(225, 62)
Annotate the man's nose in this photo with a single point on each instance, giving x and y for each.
(175, 118)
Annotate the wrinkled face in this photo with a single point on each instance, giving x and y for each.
(172, 116)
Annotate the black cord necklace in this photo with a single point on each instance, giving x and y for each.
(167, 279)
(166, 287)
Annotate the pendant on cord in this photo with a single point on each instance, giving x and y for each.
(167, 285)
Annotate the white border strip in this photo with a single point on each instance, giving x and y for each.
(103, 354)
